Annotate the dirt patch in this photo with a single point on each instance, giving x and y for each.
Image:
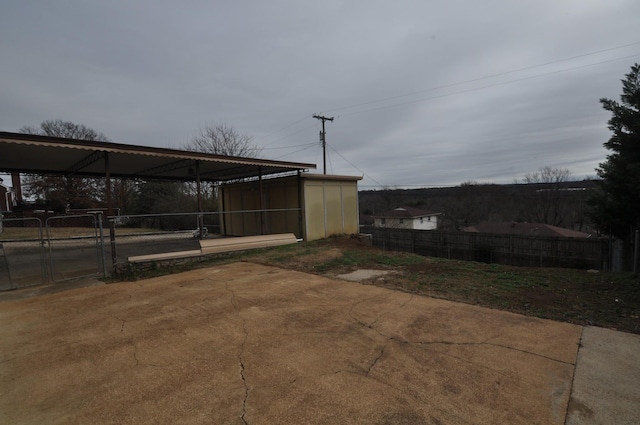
(312, 260)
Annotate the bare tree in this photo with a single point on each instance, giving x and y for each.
(389, 198)
(546, 203)
(67, 129)
(62, 192)
(463, 209)
(222, 139)
(219, 139)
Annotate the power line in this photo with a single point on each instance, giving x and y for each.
(355, 166)
(283, 147)
(291, 134)
(284, 128)
(455, 93)
(330, 164)
(488, 86)
(291, 153)
(486, 77)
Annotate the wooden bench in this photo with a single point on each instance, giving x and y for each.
(215, 246)
(165, 256)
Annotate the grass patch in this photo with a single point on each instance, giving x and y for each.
(575, 296)
(354, 258)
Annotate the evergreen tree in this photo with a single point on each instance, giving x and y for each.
(616, 207)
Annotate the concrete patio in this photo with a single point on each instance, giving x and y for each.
(249, 344)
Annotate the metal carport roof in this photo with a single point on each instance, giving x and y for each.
(26, 153)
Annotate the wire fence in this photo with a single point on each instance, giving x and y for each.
(22, 253)
(495, 248)
(36, 250)
(161, 233)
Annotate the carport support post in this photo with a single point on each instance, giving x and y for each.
(200, 208)
(112, 222)
(261, 201)
(300, 209)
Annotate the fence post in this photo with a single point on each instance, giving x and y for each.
(635, 252)
(510, 250)
(413, 241)
(104, 257)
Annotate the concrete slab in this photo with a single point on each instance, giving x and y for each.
(606, 385)
(250, 344)
(362, 274)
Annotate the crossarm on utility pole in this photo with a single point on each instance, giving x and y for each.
(324, 141)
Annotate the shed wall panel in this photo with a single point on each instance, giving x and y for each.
(277, 194)
(314, 212)
(350, 207)
(333, 208)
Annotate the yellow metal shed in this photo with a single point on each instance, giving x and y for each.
(312, 206)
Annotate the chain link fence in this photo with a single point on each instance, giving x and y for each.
(59, 248)
(22, 253)
(75, 246)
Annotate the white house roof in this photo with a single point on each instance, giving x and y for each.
(409, 212)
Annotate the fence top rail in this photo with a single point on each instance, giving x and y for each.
(370, 229)
(4, 220)
(130, 216)
(70, 217)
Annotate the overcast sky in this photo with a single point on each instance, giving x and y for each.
(424, 93)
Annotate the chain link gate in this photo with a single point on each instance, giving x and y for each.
(22, 253)
(75, 246)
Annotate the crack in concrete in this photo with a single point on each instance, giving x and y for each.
(486, 342)
(241, 353)
(360, 322)
(372, 327)
(390, 311)
(573, 378)
(122, 324)
(244, 379)
(135, 355)
(440, 342)
(380, 354)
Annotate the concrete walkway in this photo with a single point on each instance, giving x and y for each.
(250, 344)
(606, 387)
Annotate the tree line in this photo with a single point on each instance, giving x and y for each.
(559, 203)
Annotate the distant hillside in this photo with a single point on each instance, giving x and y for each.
(468, 204)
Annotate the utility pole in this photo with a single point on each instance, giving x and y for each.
(323, 139)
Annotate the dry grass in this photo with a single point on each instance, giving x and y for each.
(29, 233)
(577, 296)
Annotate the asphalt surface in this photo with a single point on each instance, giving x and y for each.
(28, 263)
(250, 344)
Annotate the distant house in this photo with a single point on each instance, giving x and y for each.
(6, 198)
(525, 229)
(408, 218)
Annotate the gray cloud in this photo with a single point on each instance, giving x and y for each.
(405, 80)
